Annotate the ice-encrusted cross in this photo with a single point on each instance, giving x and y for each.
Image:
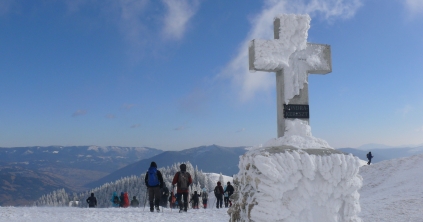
(292, 58)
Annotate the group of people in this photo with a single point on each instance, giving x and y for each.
(223, 194)
(154, 182)
(123, 200)
(158, 193)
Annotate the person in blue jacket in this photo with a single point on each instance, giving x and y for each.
(115, 200)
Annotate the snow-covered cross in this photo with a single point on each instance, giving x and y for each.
(292, 58)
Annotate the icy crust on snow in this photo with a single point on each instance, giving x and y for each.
(298, 134)
(290, 184)
(274, 54)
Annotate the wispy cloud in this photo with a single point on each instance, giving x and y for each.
(128, 106)
(178, 15)
(420, 129)
(180, 128)
(135, 125)
(240, 130)
(194, 102)
(414, 6)
(110, 116)
(405, 110)
(79, 112)
(247, 84)
(5, 6)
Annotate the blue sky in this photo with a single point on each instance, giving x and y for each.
(173, 74)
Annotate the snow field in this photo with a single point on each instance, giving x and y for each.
(75, 214)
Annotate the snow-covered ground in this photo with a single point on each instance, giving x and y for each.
(73, 214)
(392, 191)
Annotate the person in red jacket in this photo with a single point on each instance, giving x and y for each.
(125, 200)
(183, 180)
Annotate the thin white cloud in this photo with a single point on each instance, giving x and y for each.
(180, 128)
(110, 116)
(248, 84)
(179, 12)
(414, 6)
(5, 6)
(79, 112)
(240, 130)
(135, 125)
(128, 106)
(405, 110)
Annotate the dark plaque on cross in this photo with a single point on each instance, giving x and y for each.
(296, 111)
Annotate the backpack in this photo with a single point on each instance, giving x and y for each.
(153, 180)
(165, 191)
(217, 190)
(183, 180)
(116, 200)
(204, 196)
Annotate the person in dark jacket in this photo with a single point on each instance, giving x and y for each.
(195, 199)
(218, 193)
(165, 195)
(230, 190)
(135, 202)
(182, 179)
(121, 198)
(92, 201)
(154, 182)
(369, 157)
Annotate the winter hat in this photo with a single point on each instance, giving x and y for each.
(229, 183)
(183, 167)
(153, 164)
(92, 194)
(218, 183)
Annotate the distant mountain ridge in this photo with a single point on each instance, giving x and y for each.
(213, 158)
(28, 172)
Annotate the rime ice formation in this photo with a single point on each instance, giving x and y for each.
(298, 134)
(274, 55)
(290, 52)
(290, 184)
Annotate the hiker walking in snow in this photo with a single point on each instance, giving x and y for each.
(369, 157)
(195, 199)
(205, 197)
(218, 193)
(135, 202)
(115, 200)
(92, 201)
(230, 190)
(165, 195)
(182, 179)
(225, 197)
(124, 200)
(154, 182)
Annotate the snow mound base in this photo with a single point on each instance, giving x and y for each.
(298, 134)
(289, 184)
